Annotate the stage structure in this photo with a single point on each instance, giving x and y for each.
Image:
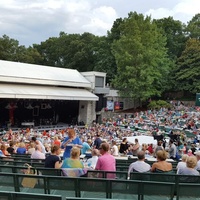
(35, 95)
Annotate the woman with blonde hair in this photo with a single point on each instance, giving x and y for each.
(74, 160)
(31, 148)
(161, 165)
(4, 150)
(191, 163)
(182, 163)
(56, 141)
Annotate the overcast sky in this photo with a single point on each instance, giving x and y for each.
(34, 21)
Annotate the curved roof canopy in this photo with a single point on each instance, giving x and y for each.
(42, 75)
(28, 81)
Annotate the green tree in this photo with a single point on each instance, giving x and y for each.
(49, 52)
(141, 57)
(174, 30)
(193, 27)
(104, 60)
(8, 48)
(11, 50)
(115, 32)
(72, 51)
(188, 67)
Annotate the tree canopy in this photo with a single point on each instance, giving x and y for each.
(141, 58)
(188, 67)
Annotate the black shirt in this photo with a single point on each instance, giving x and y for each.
(97, 143)
(10, 150)
(50, 161)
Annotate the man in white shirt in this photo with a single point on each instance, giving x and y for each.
(198, 160)
(37, 154)
(93, 161)
(37, 142)
(114, 149)
(139, 165)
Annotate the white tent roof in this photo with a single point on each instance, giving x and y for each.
(45, 92)
(142, 139)
(16, 72)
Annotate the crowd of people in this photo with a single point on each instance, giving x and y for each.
(108, 141)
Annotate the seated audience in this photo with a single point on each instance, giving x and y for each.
(182, 163)
(114, 149)
(86, 147)
(10, 149)
(51, 160)
(93, 161)
(1, 154)
(106, 162)
(198, 160)
(4, 150)
(124, 146)
(161, 165)
(56, 141)
(191, 163)
(139, 165)
(37, 154)
(159, 146)
(72, 162)
(38, 142)
(31, 148)
(150, 149)
(21, 148)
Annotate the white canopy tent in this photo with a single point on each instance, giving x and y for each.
(143, 139)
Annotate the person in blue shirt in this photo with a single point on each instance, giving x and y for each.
(70, 141)
(86, 147)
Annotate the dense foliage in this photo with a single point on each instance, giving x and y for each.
(156, 105)
(143, 58)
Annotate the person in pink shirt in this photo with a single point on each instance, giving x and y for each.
(37, 154)
(106, 162)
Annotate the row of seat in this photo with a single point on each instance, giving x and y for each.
(87, 187)
(25, 196)
(144, 184)
(31, 196)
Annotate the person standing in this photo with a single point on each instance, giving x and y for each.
(136, 147)
(97, 141)
(172, 150)
(70, 141)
